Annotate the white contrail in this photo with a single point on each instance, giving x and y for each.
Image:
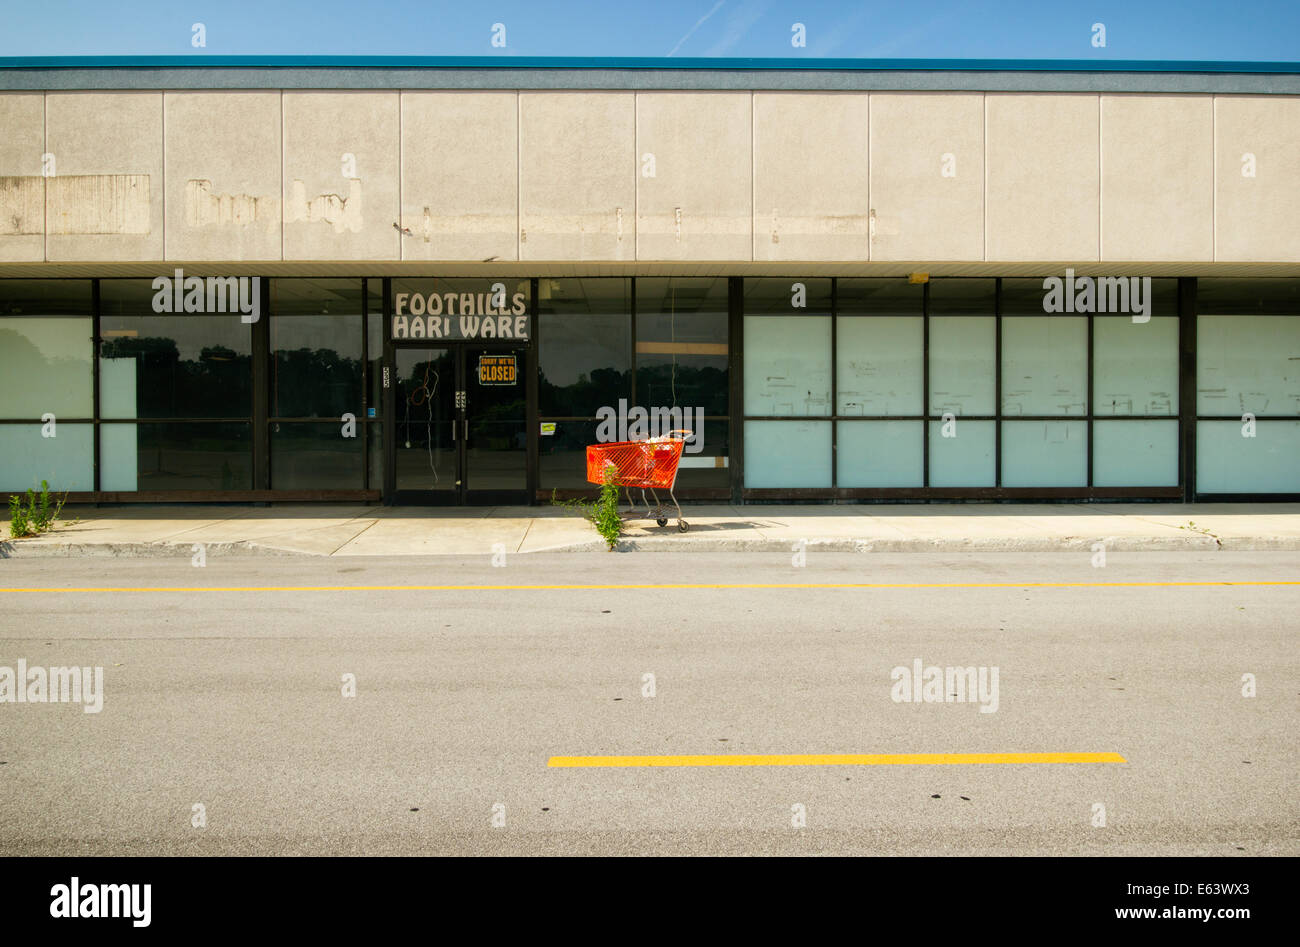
(697, 25)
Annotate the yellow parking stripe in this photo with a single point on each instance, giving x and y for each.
(833, 759)
(670, 586)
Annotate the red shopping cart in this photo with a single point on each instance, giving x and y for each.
(650, 464)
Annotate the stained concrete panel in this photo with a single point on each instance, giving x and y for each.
(1257, 218)
(810, 176)
(1042, 177)
(460, 175)
(699, 203)
(22, 189)
(341, 176)
(1157, 177)
(106, 200)
(223, 175)
(577, 185)
(927, 176)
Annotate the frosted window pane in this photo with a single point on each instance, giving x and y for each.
(788, 366)
(1044, 454)
(1269, 462)
(1135, 366)
(119, 452)
(880, 454)
(962, 354)
(1248, 363)
(117, 397)
(965, 459)
(787, 453)
(878, 365)
(27, 458)
(1135, 453)
(1044, 365)
(45, 367)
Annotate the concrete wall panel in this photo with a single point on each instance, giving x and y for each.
(810, 176)
(1257, 219)
(577, 187)
(699, 205)
(1157, 177)
(223, 175)
(460, 175)
(341, 177)
(106, 200)
(22, 189)
(1042, 180)
(927, 176)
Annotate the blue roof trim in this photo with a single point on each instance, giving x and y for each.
(204, 61)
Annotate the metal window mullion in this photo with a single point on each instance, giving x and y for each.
(1087, 408)
(997, 384)
(94, 384)
(835, 392)
(925, 386)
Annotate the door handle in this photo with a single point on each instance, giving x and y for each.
(453, 430)
(466, 423)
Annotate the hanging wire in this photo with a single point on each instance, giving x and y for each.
(424, 395)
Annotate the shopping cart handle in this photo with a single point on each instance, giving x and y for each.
(669, 435)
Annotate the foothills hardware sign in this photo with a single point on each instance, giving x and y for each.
(454, 316)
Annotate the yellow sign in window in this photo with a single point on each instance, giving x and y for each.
(497, 370)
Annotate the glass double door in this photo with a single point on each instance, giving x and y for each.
(459, 428)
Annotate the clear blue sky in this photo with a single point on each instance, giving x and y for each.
(1012, 29)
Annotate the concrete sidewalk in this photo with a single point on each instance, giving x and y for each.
(358, 530)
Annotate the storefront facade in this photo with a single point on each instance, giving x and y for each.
(850, 285)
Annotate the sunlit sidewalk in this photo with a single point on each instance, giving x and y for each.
(358, 530)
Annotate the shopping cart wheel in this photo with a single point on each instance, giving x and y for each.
(683, 526)
(662, 521)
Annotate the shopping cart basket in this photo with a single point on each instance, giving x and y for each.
(649, 464)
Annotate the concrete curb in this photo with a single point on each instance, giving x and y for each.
(686, 544)
(10, 549)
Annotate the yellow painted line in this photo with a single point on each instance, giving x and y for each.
(646, 585)
(833, 759)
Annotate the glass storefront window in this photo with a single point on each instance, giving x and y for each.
(879, 297)
(788, 348)
(315, 456)
(878, 365)
(1044, 365)
(1135, 366)
(45, 348)
(202, 455)
(1227, 462)
(316, 343)
(1135, 453)
(788, 454)
(879, 454)
(1248, 364)
(184, 365)
(1044, 453)
(562, 455)
(963, 356)
(965, 457)
(787, 366)
(45, 367)
(65, 460)
(681, 343)
(584, 346)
